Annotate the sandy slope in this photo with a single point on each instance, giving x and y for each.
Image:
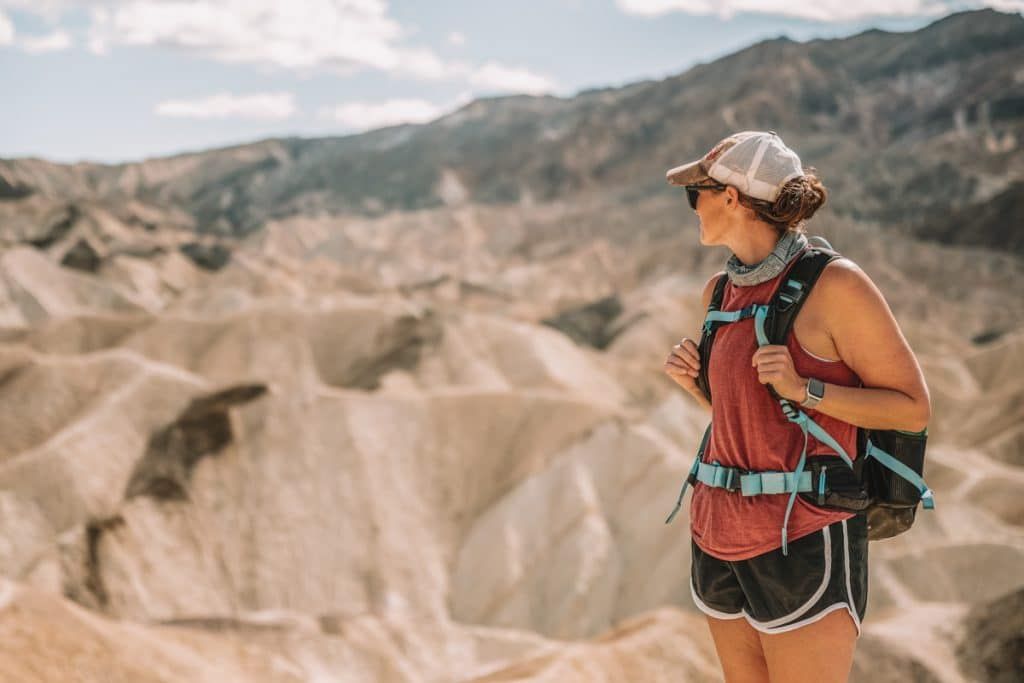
(315, 463)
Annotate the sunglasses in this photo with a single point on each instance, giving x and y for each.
(693, 191)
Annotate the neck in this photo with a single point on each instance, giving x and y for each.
(757, 248)
(774, 260)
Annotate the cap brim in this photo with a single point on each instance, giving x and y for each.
(687, 174)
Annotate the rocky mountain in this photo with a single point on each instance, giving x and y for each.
(908, 128)
(390, 407)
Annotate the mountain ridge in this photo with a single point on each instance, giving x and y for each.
(889, 118)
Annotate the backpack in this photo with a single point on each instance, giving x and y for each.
(885, 480)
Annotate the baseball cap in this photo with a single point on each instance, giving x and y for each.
(757, 163)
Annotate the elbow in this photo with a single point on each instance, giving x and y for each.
(916, 426)
(921, 416)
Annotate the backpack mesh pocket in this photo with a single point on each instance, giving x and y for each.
(887, 487)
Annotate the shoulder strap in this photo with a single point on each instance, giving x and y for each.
(707, 337)
(775, 324)
(719, 293)
(791, 295)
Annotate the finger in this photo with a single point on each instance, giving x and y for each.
(773, 375)
(767, 360)
(769, 357)
(772, 355)
(683, 365)
(682, 369)
(773, 348)
(683, 355)
(683, 352)
(688, 348)
(773, 365)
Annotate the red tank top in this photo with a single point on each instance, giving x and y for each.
(749, 431)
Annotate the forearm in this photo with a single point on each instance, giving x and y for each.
(874, 408)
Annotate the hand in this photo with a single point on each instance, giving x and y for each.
(775, 366)
(683, 365)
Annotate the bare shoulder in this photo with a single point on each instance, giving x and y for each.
(709, 289)
(842, 271)
(844, 284)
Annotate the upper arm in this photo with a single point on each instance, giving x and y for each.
(866, 334)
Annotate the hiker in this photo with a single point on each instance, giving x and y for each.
(783, 582)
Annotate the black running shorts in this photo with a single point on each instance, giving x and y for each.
(826, 570)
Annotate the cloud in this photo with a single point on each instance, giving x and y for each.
(343, 36)
(290, 34)
(456, 38)
(367, 115)
(35, 44)
(49, 9)
(263, 106)
(6, 30)
(52, 42)
(822, 10)
(499, 77)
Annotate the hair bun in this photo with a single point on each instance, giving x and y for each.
(797, 201)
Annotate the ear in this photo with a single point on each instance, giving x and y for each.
(732, 196)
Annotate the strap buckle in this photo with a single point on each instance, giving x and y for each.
(720, 476)
(792, 291)
(732, 479)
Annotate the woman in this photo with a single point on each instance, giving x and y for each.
(794, 615)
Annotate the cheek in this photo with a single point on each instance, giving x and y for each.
(707, 216)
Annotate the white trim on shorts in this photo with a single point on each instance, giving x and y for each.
(766, 626)
(710, 611)
(849, 591)
(798, 624)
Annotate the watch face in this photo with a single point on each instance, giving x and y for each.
(816, 388)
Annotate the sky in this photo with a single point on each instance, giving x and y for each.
(115, 80)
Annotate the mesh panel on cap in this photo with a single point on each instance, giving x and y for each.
(779, 166)
(758, 165)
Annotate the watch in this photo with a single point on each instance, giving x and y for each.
(815, 392)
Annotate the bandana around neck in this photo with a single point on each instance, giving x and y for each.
(788, 246)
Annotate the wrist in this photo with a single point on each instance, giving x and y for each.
(814, 392)
(802, 396)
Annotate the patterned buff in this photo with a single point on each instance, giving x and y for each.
(788, 246)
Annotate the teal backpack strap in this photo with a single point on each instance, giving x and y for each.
(691, 477)
(772, 323)
(731, 316)
(927, 499)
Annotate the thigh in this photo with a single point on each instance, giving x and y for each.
(739, 650)
(717, 594)
(821, 652)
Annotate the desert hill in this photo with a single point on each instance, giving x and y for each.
(389, 407)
